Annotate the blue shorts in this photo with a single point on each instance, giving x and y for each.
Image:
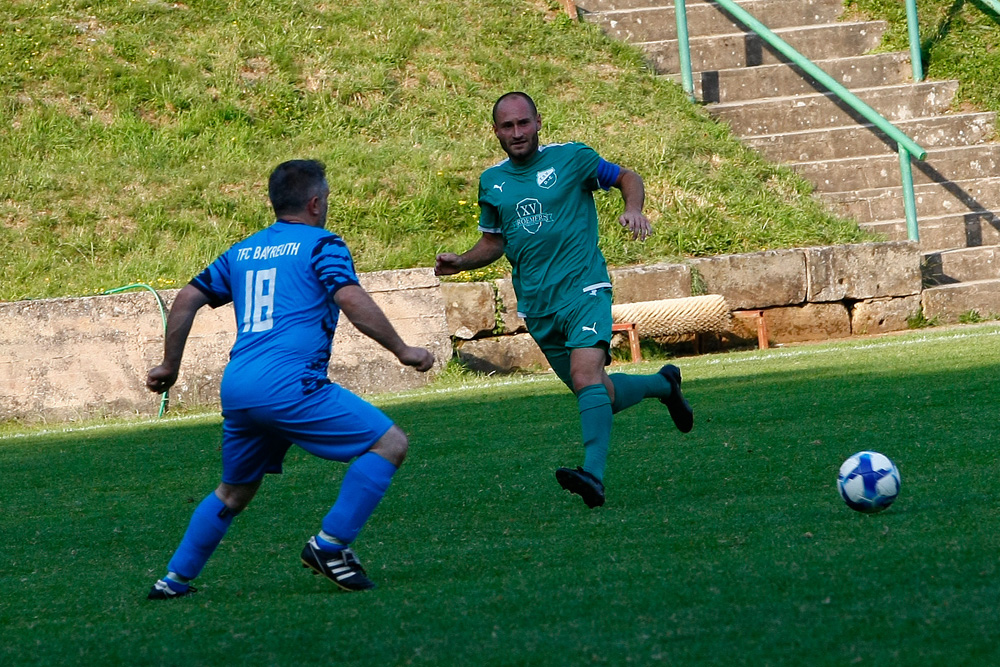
(331, 423)
(586, 323)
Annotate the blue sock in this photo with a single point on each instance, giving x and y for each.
(630, 389)
(209, 524)
(172, 581)
(595, 418)
(365, 483)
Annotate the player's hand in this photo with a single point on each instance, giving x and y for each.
(417, 357)
(160, 379)
(446, 264)
(637, 223)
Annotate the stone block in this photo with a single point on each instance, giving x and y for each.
(394, 281)
(469, 309)
(876, 316)
(809, 322)
(651, 283)
(949, 302)
(502, 354)
(863, 271)
(755, 280)
(512, 323)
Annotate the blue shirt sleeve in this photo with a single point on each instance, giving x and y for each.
(607, 174)
(333, 264)
(214, 282)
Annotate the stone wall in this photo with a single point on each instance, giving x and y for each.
(75, 358)
(805, 294)
(63, 359)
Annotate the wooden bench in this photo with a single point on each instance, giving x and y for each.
(757, 320)
(633, 338)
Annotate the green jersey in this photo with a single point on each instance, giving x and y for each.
(545, 211)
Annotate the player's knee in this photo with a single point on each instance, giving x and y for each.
(585, 378)
(236, 496)
(392, 446)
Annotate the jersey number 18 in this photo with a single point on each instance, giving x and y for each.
(258, 307)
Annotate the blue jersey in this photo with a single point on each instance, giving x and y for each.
(281, 282)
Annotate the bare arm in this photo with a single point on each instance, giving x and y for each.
(365, 314)
(189, 300)
(488, 249)
(634, 194)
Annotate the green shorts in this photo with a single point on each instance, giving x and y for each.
(586, 323)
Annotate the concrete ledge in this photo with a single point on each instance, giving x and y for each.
(64, 359)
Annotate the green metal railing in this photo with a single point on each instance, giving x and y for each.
(916, 59)
(906, 146)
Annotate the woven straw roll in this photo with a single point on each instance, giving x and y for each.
(675, 317)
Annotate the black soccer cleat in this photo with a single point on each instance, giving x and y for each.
(680, 410)
(161, 590)
(583, 484)
(341, 567)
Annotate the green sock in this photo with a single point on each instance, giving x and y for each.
(630, 389)
(595, 418)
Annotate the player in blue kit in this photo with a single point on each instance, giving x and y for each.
(537, 207)
(288, 284)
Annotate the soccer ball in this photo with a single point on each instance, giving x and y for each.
(868, 482)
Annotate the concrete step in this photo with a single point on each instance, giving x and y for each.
(944, 232)
(882, 171)
(708, 18)
(820, 110)
(980, 196)
(950, 302)
(740, 84)
(816, 42)
(962, 129)
(593, 6)
(947, 267)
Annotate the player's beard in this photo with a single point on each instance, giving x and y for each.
(523, 151)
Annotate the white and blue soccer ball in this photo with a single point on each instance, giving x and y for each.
(868, 482)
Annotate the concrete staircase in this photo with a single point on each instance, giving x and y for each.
(791, 119)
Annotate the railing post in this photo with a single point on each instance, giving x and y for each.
(909, 201)
(913, 27)
(684, 47)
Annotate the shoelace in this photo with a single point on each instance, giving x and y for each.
(346, 557)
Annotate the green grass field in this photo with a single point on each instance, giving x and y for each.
(726, 546)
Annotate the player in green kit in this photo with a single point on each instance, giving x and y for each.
(537, 207)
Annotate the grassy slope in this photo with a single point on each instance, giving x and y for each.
(960, 39)
(136, 136)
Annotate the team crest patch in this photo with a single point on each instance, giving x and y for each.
(546, 178)
(530, 216)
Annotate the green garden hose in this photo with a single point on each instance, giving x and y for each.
(165, 399)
